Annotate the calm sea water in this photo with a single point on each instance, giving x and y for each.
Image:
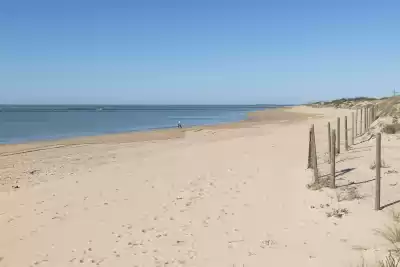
(30, 123)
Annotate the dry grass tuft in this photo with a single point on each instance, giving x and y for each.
(337, 213)
(362, 264)
(321, 183)
(391, 128)
(391, 234)
(390, 260)
(349, 194)
(396, 216)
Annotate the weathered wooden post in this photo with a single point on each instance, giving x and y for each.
(346, 136)
(314, 154)
(338, 135)
(371, 116)
(309, 161)
(373, 113)
(356, 125)
(378, 173)
(365, 119)
(361, 120)
(352, 128)
(333, 163)
(329, 142)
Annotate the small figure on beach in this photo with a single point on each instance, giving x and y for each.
(179, 125)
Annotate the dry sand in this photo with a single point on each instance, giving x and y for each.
(209, 196)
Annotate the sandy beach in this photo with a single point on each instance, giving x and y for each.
(228, 195)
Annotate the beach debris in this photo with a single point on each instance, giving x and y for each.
(267, 243)
(16, 187)
(33, 172)
(391, 171)
(322, 206)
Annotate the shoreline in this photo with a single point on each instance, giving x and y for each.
(229, 195)
(53, 131)
(254, 118)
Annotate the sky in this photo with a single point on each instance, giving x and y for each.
(197, 52)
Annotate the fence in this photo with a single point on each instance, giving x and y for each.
(367, 115)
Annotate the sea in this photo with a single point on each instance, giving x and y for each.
(25, 123)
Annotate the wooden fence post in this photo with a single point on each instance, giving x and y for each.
(365, 119)
(378, 173)
(369, 116)
(361, 120)
(346, 136)
(374, 113)
(314, 154)
(330, 142)
(356, 122)
(352, 128)
(372, 117)
(309, 161)
(338, 135)
(333, 163)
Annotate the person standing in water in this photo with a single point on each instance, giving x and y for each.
(179, 124)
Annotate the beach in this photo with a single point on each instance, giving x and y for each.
(225, 195)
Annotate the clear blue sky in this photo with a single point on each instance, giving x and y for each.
(188, 52)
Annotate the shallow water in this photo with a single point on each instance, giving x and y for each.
(30, 123)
